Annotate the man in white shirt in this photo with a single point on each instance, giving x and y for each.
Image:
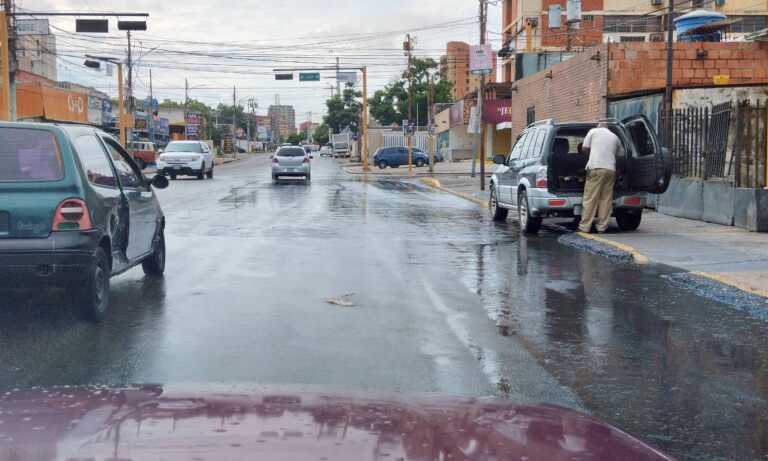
(601, 145)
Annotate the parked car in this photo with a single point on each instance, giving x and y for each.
(143, 152)
(75, 209)
(544, 175)
(189, 158)
(397, 156)
(291, 161)
(326, 151)
(437, 154)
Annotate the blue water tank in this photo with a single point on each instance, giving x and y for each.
(695, 19)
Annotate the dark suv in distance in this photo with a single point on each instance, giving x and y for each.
(544, 175)
(75, 209)
(397, 156)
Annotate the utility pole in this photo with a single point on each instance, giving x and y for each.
(364, 128)
(338, 83)
(234, 120)
(151, 121)
(5, 70)
(9, 58)
(430, 122)
(408, 135)
(481, 97)
(668, 89)
(131, 107)
(186, 106)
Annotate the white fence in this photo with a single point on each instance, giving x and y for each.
(420, 140)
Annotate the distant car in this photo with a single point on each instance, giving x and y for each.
(188, 158)
(76, 210)
(397, 156)
(326, 151)
(291, 161)
(143, 152)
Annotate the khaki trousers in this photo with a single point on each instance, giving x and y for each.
(598, 199)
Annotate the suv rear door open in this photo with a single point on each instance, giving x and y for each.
(648, 170)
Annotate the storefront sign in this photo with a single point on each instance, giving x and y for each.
(497, 111)
(457, 113)
(480, 59)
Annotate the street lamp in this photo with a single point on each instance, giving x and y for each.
(94, 62)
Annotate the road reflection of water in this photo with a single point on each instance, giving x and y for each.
(684, 373)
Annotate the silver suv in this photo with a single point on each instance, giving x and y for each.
(544, 175)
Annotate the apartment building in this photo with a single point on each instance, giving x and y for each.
(454, 65)
(542, 26)
(36, 54)
(283, 121)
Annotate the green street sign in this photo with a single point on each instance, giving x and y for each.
(283, 76)
(309, 77)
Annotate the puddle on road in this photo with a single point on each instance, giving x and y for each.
(682, 372)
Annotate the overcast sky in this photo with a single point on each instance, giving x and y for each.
(225, 46)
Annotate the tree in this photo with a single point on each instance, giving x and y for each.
(296, 138)
(390, 104)
(344, 111)
(321, 134)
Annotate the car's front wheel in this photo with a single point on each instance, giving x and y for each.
(498, 213)
(629, 221)
(528, 224)
(154, 265)
(201, 173)
(419, 162)
(91, 299)
(209, 175)
(382, 164)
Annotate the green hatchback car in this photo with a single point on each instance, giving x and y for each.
(75, 209)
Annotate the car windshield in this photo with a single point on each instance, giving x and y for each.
(29, 155)
(264, 272)
(184, 147)
(291, 152)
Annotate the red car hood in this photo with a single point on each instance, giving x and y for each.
(152, 422)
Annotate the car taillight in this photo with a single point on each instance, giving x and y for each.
(633, 201)
(306, 160)
(72, 214)
(556, 202)
(541, 178)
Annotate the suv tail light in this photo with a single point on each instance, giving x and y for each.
(633, 201)
(72, 215)
(306, 160)
(275, 160)
(541, 178)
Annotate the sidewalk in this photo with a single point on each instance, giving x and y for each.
(725, 254)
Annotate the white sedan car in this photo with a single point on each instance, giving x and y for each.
(189, 158)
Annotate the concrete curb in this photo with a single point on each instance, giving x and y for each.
(725, 280)
(638, 257)
(434, 183)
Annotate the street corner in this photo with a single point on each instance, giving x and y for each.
(602, 246)
(436, 184)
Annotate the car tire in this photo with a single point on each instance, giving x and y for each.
(172, 176)
(629, 221)
(528, 224)
(382, 164)
(154, 265)
(209, 175)
(419, 162)
(498, 213)
(91, 298)
(274, 179)
(201, 173)
(308, 177)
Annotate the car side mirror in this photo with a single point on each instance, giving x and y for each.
(499, 160)
(159, 181)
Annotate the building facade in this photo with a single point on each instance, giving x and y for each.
(282, 120)
(454, 65)
(36, 54)
(539, 27)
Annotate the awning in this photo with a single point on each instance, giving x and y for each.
(503, 126)
(710, 27)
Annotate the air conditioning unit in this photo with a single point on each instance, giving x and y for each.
(657, 2)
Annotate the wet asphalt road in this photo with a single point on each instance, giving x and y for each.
(444, 301)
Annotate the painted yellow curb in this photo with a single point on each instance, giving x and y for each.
(432, 182)
(638, 257)
(726, 280)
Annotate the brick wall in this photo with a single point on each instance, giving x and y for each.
(637, 67)
(575, 92)
(588, 33)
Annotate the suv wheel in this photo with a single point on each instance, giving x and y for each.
(209, 175)
(528, 224)
(154, 265)
(382, 164)
(497, 213)
(628, 221)
(201, 173)
(92, 297)
(419, 162)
